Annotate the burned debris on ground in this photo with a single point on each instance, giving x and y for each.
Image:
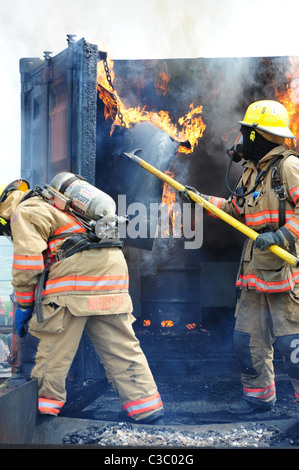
(196, 415)
(254, 435)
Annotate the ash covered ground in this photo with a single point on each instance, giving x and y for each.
(196, 415)
(196, 400)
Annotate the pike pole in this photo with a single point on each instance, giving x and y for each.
(285, 255)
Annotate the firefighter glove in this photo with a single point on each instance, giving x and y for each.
(185, 195)
(21, 318)
(267, 239)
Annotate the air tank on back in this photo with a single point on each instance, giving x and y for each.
(85, 198)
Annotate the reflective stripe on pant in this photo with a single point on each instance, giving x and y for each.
(117, 346)
(49, 406)
(265, 393)
(139, 407)
(260, 320)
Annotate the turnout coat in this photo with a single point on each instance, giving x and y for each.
(92, 282)
(263, 271)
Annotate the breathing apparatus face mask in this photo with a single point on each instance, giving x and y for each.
(243, 145)
(250, 145)
(235, 152)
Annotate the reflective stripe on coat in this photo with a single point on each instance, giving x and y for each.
(100, 274)
(264, 271)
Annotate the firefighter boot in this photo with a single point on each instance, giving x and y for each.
(153, 419)
(244, 407)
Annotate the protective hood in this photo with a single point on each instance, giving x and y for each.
(8, 207)
(255, 146)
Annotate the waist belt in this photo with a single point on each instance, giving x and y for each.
(81, 242)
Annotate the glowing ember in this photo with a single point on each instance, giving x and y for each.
(167, 323)
(146, 322)
(191, 326)
(191, 125)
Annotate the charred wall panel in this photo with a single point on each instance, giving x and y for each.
(119, 176)
(58, 113)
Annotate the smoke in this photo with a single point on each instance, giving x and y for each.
(134, 30)
(225, 87)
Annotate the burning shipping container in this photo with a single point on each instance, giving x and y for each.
(81, 111)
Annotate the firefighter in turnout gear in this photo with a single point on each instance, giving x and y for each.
(84, 289)
(266, 198)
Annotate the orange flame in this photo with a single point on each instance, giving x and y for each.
(146, 322)
(191, 326)
(110, 104)
(191, 125)
(169, 198)
(290, 97)
(162, 81)
(167, 323)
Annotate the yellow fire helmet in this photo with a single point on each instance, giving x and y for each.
(269, 116)
(21, 185)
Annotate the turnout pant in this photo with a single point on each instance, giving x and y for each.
(262, 319)
(56, 341)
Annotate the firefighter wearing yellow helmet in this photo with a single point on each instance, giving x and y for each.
(65, 282)
(5, 189)
(268, 116)
(266, 198)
